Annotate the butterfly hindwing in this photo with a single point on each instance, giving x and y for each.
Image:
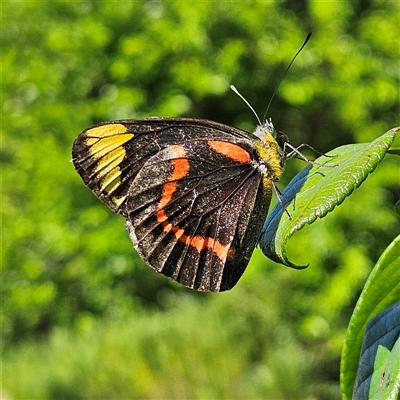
(191, 219)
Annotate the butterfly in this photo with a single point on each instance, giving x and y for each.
(194, 192)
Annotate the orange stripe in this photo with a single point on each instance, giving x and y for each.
(198, 243)
(180, 234)
(161, 217)
(180, 168)
(219, 249)
(168, 191)
(230, 150)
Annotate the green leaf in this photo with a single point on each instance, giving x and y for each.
(385, 383)
(395, 147)
(381, 290)
(377, 371)
(318, 189)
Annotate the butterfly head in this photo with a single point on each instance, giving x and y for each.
(265, 129)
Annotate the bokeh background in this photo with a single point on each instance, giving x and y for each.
(82, 316)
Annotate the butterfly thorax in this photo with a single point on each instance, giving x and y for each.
(269, 152)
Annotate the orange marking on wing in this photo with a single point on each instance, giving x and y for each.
(230, 150)
(181, 168)
(161, 217)
(168, 191)
(198, 242)
(167, 227)
(180, 234)
(218, 248)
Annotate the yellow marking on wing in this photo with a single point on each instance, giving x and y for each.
(106, 130)
(118, 200)
(110, 161)
(110, 152)
(103, 146)
(111, 181)
(91, 141)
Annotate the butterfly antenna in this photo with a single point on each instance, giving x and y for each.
(248, 104)
(284, 74)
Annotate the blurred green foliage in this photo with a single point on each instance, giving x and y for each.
(77, 302)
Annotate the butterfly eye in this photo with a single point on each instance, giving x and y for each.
(282, 139)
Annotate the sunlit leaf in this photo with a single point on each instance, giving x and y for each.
(379, 366)
(318, 189)
(381, 291)
(385, 383)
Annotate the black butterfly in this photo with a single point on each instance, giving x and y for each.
(195, 193)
